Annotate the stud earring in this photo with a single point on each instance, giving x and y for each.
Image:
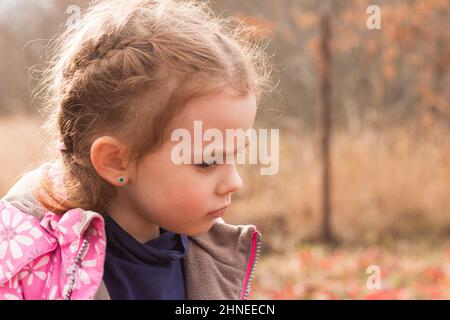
(121, 180)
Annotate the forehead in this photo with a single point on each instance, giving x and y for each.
(220, 110)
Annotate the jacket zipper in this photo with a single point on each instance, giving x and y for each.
(256, 242)
(77, 264)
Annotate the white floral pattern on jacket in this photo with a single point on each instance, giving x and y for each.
(37, 258)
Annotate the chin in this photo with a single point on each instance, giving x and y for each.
(200, 231)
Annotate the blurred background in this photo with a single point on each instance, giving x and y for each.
(360, 208)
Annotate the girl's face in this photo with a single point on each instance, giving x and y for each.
(178, 197)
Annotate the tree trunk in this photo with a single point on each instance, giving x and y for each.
(325, 122)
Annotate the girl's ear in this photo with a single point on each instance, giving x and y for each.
(109, 158)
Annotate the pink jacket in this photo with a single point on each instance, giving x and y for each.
(48, 256)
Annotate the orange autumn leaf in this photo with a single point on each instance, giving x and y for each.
(389, 71)
(305, 20)
(265, 27)
(392, 294)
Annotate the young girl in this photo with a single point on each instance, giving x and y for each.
(114, 217)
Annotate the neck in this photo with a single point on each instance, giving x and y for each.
(132, 220)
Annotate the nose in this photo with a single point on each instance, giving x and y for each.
(231, 181)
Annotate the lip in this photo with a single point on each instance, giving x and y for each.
(218, 213)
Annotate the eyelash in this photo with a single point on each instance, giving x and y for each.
(205, 165)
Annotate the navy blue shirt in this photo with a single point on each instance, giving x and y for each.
(152, 270)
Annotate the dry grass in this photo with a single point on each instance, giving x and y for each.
(22, 146)
(385, 185)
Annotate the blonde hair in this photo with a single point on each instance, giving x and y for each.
(121, 52)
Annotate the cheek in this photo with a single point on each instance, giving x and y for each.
(192, 200)
(177, 189)
(188, 193)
